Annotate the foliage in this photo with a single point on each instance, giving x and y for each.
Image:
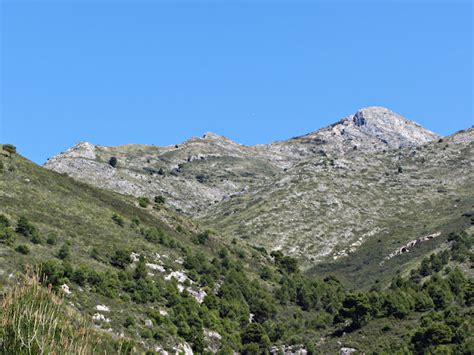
(113, 162)
(118, 220)
(23, 249)
(9, 148)
(144, 202)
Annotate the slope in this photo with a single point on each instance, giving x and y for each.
(327, 207)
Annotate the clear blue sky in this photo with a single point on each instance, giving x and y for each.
(158, 72)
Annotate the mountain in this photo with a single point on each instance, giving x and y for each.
(204, 171)
(301, 246)
(317, 196)
(127, 275)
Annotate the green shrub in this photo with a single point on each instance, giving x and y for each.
(160, 200)
(52, 238)
(4, 221)
(9, 148)
(144, 202)
(24, 227)
(113, 162)
(7, 235)
(202, 238)
(64, 252)
(23, 249)
(118, 220)
(120, 258)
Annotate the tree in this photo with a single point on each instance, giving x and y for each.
(113, 162)
(434, 334)
(255, 333)
(356, 307)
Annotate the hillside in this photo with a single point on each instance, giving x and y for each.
(90, 244)
(327, 207)
(142, 274)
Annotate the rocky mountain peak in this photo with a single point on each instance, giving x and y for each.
(80, 150)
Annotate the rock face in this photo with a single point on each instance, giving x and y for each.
(315, 196)
(370, 129)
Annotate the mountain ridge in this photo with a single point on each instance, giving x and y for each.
(262, 161)
(290, 194)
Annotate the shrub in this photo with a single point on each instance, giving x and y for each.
(118, 220)
(24, 227)
(159, 200)
(23, 249)
(144, 202)
(202, 238)
(120, 259)
(9, 148)
(52, 238)
(113, 162)
(64, 252)
(4, 222)
(7, 235)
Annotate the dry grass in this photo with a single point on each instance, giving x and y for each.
(35, 321)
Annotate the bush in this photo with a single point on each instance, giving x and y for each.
(118, 220)
(23, 249)
(202, 238)
(52, 239)
(24, 227)
(64, 252)
(120, 259)
(159, 200)
(113, 162)
(9, 148)
(4, 222)
(7, 235)
(144, 202)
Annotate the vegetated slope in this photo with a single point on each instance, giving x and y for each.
(89, 242)
(155, 278)
(330, 206)
(204, 171)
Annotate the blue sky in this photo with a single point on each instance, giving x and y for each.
(116, 72)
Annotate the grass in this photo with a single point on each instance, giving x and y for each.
(35, 320)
